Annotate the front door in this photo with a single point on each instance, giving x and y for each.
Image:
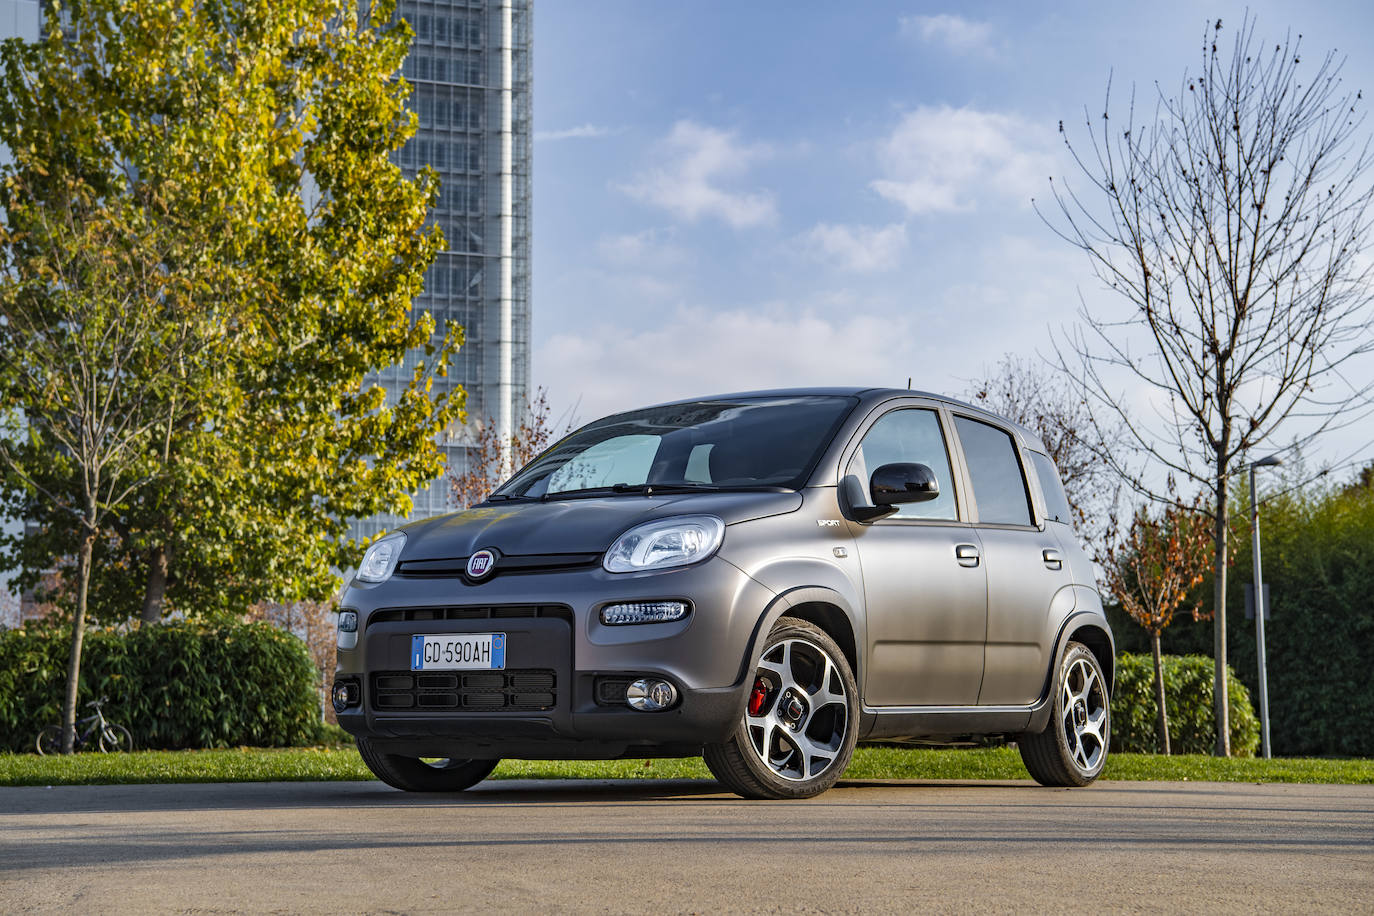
(924, 586)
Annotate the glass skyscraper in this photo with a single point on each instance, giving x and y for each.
(469, 69)
(18, 19)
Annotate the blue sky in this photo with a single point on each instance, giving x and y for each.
(746, 195)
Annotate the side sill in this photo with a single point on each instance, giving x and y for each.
(945, 721)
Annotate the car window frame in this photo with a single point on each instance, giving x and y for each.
(1032, 488)
(956, 464)
(1042, 504)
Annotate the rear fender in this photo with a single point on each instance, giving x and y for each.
(1089, 627)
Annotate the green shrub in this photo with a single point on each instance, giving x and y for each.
(179, 685)
(1188, 697)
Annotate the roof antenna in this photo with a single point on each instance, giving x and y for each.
(908, 383)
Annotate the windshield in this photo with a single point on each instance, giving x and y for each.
(742, 443)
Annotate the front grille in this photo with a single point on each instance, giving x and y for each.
(472, 612)
(456, 567)
(520, 689)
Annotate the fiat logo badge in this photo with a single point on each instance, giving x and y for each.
(481, 563)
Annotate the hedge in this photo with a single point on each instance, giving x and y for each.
(1188, 681)
(177, 685)
(1319, 639)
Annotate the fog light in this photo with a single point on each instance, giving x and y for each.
(345, 695)
(348, 629)
(614, 615)
(650, 694)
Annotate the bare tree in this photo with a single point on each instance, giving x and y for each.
(1151, 570)
(486, 459)
(1050, 404)
(1233, 225)
(94, 340)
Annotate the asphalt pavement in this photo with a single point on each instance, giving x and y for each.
(664, 847)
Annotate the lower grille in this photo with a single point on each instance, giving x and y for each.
(521, 689)
(610, 691)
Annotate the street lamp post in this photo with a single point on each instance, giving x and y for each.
(1269, 462)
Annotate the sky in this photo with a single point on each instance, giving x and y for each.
(732, 196)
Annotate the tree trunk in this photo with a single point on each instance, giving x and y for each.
(156, 590)
(83, 580)
(1161, 713)
(1223, 745)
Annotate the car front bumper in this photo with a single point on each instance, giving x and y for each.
(562, 665)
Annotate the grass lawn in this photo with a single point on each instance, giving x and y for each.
(343, 763)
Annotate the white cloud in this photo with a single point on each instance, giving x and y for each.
(582, 131)
(944, 160)
(698, 162)
(862, 249)
(954, 32)
(652, 249)
(697, 352)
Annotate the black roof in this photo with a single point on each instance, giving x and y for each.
(870, 395)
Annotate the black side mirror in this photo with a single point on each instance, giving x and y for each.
(903, 483)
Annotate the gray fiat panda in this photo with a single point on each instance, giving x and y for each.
(762, 579)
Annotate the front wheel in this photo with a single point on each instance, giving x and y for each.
(1072, 749)
(50, 740)
(423, 774)
(115, 738)
(801, 721)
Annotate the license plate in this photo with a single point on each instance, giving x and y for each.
(458, 652)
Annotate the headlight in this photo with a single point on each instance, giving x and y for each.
(380, 560)
(665, 543)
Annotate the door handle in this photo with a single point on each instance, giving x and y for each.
(966, 554)
(1052, 558)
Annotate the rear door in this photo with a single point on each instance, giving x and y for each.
(1025, 568)
(924, 588)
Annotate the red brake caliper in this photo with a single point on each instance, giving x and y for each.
(758, 696)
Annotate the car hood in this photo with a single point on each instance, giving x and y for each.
(565, 526)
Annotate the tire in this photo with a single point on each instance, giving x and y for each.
(115, 738)
(1072, 749)
(50, 740)
(414, 774)
(799, 727)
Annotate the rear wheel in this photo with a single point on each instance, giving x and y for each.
(1072, 749)
(424, 774)
(116, 738)
(50, 740)
(799, 727)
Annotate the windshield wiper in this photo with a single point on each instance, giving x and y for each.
(685, 486)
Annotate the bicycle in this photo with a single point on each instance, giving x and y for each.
(108, 736)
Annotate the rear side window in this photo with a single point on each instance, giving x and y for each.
(998, 487)
(1056, 503)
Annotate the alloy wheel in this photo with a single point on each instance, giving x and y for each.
(1084, 712)
(798, 710)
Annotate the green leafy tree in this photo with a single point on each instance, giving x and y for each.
(264, 131)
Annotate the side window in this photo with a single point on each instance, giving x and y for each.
(998, 487)
(1056, 503)
(908, 435)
